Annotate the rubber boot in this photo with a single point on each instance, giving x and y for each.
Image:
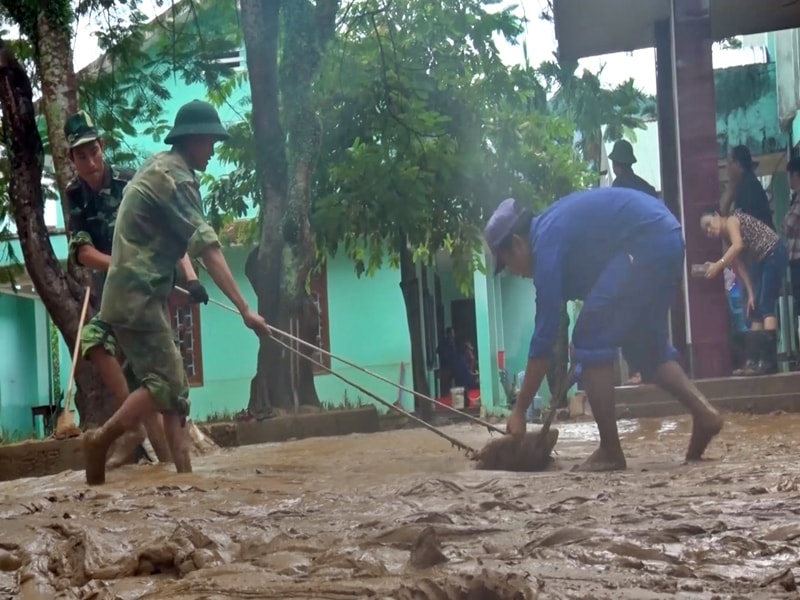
(768, 359)
(738, 355)
(752, 354)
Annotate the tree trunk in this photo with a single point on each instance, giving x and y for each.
(59, 94)
(60, 295)
(278, 269)
(60, 99)
(409, 284)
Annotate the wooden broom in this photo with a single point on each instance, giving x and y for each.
(66, 420)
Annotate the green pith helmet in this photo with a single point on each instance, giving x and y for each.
(196, 118)
(622, 153)
(80, 129)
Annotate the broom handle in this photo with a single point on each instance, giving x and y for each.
(477, 420)
(560, 395)
(76, 350)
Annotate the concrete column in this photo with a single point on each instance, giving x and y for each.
(486, 326)
(670, 182)
(695, 125)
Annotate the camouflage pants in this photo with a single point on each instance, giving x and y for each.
(96, 333)
(152, 359)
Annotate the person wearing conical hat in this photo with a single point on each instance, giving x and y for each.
(622, 161)
(161, 222)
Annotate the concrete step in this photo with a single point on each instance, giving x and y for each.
(760, 405)
(725, 387)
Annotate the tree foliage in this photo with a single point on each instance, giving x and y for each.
(124, 90)
(430, 130)
(580, 96)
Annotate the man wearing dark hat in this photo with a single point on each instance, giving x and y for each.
(621, 252)
(622, 161)
(94, 196)
(160, 222)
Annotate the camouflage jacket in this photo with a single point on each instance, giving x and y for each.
(159, 220)
(92, 216)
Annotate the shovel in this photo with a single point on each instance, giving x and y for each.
(66, 420)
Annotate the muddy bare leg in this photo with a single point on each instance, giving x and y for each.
(156, 433)
(178, 438)
(97, 442)
(111, 373)
(706, 421)
(114, 379)
(598, 381)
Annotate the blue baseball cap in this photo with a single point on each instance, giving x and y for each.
(499, 227)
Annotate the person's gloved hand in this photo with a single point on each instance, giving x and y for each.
(197, 291)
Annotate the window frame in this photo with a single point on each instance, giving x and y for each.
(319, 287)
(178, 300)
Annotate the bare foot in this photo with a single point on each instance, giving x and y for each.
(636, 379)
(94, 455)
(603, 460)
(703, 431)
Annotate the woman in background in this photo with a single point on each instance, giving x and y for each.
(750, 237)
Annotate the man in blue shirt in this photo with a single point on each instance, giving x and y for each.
(622, 252)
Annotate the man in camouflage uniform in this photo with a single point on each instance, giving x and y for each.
(94, 197)
(159, 220)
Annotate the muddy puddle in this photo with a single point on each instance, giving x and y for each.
(402, 515)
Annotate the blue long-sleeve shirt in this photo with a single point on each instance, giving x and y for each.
(575, 238)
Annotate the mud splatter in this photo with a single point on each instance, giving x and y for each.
(401, 515)
(523, 453)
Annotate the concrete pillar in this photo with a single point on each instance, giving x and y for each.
(486, 325)
(670, 181)
(695, 126)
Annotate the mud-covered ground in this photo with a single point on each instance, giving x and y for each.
(402, 515)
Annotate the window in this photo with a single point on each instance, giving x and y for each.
(185, 320)
(319, 295)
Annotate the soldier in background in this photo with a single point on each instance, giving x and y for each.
(94, 197)
(622, 161)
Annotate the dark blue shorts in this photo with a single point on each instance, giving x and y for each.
(628, 307)
(770, 273)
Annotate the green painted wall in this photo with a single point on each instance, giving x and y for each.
(23, 378)
(747, 109)
(367, 326)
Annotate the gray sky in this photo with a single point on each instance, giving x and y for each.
(540, 38)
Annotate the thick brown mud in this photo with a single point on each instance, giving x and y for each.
(402, 515)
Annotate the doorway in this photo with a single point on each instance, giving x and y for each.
(462, 318)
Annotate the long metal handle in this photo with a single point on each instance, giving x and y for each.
(556, 399)
(457, 443)
(272, 329)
